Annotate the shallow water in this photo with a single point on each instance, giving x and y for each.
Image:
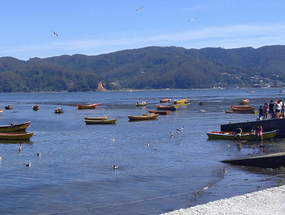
(156, 174)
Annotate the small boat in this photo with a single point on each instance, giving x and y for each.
(139, 104)
(167, 107)
(241, 112)
(9, 107)
(143, 117)
(244, 101)
(159, 112)
(91, 106)
(224, 135)
(96, 118)
(242, 108)
(36, 107)
(58, 110)
(164, 100)
(19, 136)
(1, 110)
(16, 127)
(100, 121)
(180, 102)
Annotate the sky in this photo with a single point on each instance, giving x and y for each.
(94, 27)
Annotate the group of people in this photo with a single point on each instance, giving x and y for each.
(274, 109)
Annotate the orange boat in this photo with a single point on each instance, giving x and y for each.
(244, 101)
(242, 108)
(164, 100)
(1, 110)
(91, 106)
(36, 107)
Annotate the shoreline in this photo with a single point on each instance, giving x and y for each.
(267, 201)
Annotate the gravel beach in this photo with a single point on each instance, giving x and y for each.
(268, 201)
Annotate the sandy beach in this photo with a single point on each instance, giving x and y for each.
(267, 201)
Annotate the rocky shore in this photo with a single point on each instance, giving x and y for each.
(267, 201)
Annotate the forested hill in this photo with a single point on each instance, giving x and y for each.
(148, 68)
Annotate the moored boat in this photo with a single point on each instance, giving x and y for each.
(180, 102)
(164, 100)
(241, 112)
(225, 135)
(9, 107)
(18, 136)
(143, 103)
(244, 101)
(96, 118)
(36, 107)
(167, 107)
(100, 121)
(91, 106)
(1, 110)
(143, 117)
(242, 108)
(58, 110)
(159, 112)
(14, 127)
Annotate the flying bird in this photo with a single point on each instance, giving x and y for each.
(180, 130)
(29, 164)
(55, 33)
(192, 19)
(139, 8)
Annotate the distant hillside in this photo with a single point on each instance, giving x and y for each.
(148, 68)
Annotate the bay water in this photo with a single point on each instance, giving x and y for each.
(156, 173)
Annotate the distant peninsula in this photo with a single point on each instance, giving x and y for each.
(147, 68)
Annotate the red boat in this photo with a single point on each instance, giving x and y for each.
(164, 100)
(160, 112)
(91, 106)
(242, 108)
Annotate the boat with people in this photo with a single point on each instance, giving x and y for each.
(242, 108)
(14, 127)
(100, 121)
(227, 135)
(58, 110)
(139, 104)
(96, 118)
(36, 107)
(9, 107)
(180, 102)
(159, 112)
(244, 101)
(150, 116)
(15, 136)
(167, 107)
(90, 106)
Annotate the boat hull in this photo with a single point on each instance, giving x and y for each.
(159, 112)
(144, 117)
(24, 136)
(242, 108)
(180, 102)
(96, 118)
(100, 121)
(164, 100)
(91, 106)
(36, 107)
(244, 136)
(17, 127)
(166, 107)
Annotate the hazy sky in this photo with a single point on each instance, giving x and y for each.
(93, 27)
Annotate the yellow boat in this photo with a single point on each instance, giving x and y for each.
(100, 121)
(143, 117)
(21, 136)
(14, 127)
(96, 118)
(180, 102)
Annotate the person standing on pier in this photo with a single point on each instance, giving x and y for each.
(271, 109)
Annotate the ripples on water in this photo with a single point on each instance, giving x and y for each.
(156, 173)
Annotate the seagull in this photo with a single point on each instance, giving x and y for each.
(171, 134)
(55, 33)
(0, 159)
(115, 167)
(180, 130)
(192, 19)
(29, 164)
(39, 154)
(139, 8)
(112, 139)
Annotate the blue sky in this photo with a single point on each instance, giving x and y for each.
(93, 27)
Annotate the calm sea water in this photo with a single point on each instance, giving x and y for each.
(156, 174)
